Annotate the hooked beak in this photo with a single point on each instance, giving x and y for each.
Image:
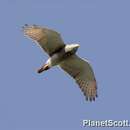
(43, 68)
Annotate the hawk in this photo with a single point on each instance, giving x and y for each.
(64, 56)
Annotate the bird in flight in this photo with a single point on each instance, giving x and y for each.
(64, 56)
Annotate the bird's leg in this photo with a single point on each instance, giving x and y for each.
(43, 68)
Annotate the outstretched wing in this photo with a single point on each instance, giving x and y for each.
(83, 74)
(48, 39)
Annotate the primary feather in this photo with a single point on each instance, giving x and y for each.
(48, 39)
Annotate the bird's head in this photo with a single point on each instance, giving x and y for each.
(71, 48)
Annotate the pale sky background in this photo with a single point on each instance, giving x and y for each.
(52, 100)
